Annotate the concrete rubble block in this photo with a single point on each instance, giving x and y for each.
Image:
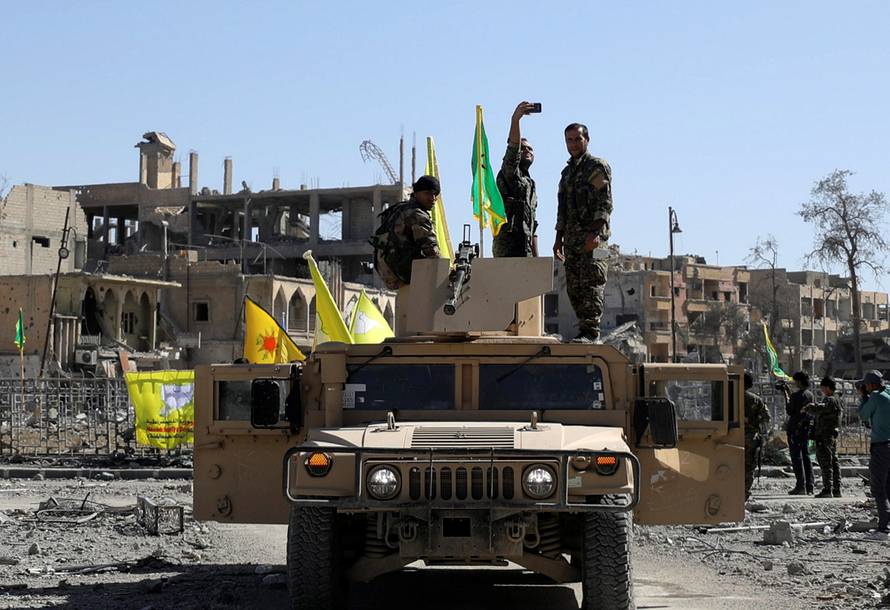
(796, 568)
(781, 532)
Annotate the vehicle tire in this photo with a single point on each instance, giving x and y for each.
(606, 575)
(314, 571)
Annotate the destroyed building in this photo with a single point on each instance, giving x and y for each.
(814, 311)
(95, 317)
(638, 290)
(32, 223)
(159, 270)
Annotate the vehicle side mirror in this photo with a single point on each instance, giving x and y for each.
(658, 416)
(265, 403)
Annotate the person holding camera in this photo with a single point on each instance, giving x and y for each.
(798, 428)
(756, 424)
(825, 432)
(582, 227)
(518, 237)
(874, 411)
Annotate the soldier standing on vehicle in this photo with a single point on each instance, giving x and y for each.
(798, 428)
(405, 234)
(582, 228)
(519, 236)
(825, 432)
(874, 410)
(756, 422)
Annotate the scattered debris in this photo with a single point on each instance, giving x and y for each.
(796, 568)
(166, 518)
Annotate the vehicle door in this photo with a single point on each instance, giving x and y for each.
(701, 480)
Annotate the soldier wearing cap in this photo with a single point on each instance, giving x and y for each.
(825, 432)
(406, 234)
(874, 410)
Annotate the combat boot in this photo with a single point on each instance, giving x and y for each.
(836, 493)
(825, 493)
(797, 491)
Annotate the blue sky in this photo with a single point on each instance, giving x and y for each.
(728, 112)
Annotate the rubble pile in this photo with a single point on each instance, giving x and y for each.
(814, 550)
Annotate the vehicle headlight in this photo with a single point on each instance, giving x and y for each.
(539, 481)
(384, 482)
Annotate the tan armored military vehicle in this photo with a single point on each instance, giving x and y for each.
(456, 445)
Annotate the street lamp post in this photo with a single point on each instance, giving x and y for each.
(673, 227)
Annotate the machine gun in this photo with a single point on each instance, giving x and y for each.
(460, 274)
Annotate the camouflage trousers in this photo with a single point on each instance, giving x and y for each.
(511, 243)
(585, 284)
(826, 455)
(750, 463)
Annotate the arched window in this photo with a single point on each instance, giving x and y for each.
(298, 313)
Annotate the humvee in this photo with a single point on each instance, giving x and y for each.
(452, 444)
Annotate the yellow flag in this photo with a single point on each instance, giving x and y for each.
(440, 223)
(265, 342)
(367, 324)
(164, 403)
(329, 324)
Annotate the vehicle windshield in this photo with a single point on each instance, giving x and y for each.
(541, 386)
(389, 387)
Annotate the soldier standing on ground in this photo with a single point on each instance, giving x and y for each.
(874, 410)
(825, 432)
(756, 422)
(519, 236)
(582, 226)
(798, 429)
(406, 233)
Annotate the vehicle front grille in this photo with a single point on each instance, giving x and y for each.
(430, 436)
(462, 483)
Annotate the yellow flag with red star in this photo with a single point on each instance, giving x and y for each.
(265, 342)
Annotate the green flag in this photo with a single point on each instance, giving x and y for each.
(488, 206)
(774, 367)
(20, 331)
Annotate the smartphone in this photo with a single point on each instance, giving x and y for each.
(536, 107)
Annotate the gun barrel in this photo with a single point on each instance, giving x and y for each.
(457, 284)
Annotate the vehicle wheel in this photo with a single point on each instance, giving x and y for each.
(606, 578)
(314, 572)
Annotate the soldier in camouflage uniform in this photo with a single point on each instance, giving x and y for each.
(518, 237)
(756, 423)
(582, 227)
(825, 431)
(406, 234)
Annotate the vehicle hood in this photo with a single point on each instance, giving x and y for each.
(483, 435)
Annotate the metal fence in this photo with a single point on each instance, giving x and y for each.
(854, 437)
(70, 417)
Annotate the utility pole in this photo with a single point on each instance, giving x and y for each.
(673, 227)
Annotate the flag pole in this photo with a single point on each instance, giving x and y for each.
(479, 180)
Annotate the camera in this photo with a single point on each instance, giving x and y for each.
(536, 107)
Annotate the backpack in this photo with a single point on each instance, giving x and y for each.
(392, 254)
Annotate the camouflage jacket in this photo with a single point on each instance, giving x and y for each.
(799, 419)
(414, 230)
(828, 417)
(520, 203)
(756, 415)
(585, 196)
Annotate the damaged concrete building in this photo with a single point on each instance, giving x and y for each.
(160, 270)
(814, 311)
(638, 291)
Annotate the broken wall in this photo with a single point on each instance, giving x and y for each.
(32, 218)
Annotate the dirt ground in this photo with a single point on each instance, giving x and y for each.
(109, 560)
